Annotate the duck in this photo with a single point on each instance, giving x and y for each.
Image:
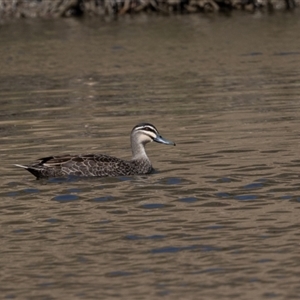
(101, 165)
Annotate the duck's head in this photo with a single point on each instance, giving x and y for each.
(144, 133)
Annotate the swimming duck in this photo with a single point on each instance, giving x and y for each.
(101, 165)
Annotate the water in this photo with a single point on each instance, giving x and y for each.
(220, 216)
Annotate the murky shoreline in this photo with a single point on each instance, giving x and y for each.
(114, 9)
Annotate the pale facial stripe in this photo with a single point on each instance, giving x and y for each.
(148, 130)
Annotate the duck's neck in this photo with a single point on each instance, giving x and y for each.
(138, 151)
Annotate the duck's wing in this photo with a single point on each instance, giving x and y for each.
(79, 165)
(98, 165)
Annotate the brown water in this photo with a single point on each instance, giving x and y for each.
(219, 219)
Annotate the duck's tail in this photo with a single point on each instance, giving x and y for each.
(21, 166)
(32, 170)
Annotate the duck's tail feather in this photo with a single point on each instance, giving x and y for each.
(21, 166)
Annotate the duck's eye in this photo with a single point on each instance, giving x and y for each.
(147, 128)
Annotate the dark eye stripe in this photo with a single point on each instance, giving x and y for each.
(149, 129)
(145, 127)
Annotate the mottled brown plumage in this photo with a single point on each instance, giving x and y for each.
(101, 165)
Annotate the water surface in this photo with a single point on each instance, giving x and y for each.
(220, 216)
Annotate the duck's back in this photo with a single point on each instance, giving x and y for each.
(87, 165)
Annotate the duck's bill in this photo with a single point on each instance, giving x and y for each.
(160, 139)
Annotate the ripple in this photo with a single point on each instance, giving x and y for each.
(119, 274)
(103, 199)
(189, 199)
(31, 191)
(172, 249)
(253, 186)
(138, 237)
(246, 197)
(153, 205)
(66, 198)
